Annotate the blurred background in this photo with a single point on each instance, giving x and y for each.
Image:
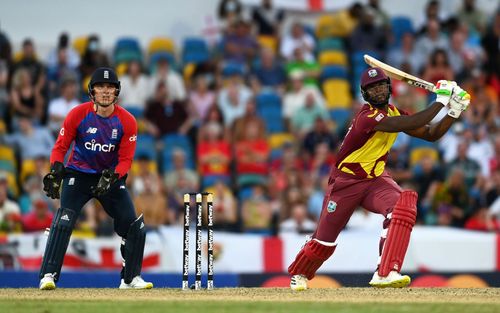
(249, 100)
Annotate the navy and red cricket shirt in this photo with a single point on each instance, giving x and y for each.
(100, 142)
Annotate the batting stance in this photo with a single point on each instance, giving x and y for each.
(358, 178)
(104, 136)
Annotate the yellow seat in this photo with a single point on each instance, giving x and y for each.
(121, 69)
(276, 141)
(7, 154)
(417, 154)
(268, 42)
(12, 184)
(324, 27)
(152, 167)
(80, 44)
(27, 168)
(332, 57)
(158, 44)
(337, 93)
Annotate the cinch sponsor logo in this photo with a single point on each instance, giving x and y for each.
(133, 138)
(99, 146)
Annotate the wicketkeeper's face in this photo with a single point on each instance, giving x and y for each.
(104, 93)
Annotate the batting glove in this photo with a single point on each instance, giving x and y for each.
(459, 102)
(444, 89)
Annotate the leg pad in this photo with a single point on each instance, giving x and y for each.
(133, 250)
(310, 258)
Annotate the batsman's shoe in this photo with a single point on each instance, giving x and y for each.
(47, 282)
(298, 283)
(136, 283)
(393, 280)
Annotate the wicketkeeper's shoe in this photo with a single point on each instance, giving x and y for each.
(298, 283)
(136, 283)
(47, 282)
(393, 280)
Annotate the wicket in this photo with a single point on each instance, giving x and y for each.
(210, 240)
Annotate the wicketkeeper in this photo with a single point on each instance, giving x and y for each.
(104, 136)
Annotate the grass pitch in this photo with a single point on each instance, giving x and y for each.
(235, 300)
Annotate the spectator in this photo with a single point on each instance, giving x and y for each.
(201, 97)
(315, 201)
(34, 67)
(240, 124)
(165, 115)
(214, 154)
(229, 11)
(495, 159)
(270, 73)
(381, 19)
(451, 201)
(60, 72)
(406, 54)
(296, 97)
(310, 69)
(39, 218)
(461, 51)
(251, 155)
(431, 40)
(317, 135)
(136, 89)
(4, 91)
(239, 45)
(9, 210)
(26, 100)
(298, 222)
(438, 67)
(180, 171)
(232, 99)
(151, 202)
(367, 36)
(298, 39)
(256, 211)
(31, 141)
(427, 175)
(472, 16)
(481, 150)
(491, 47)
(93, 57)
(304, 118)
(60, 107)
(5, 49)
(225, 207)
(469, 168)
(71, 55)
(173, 80)
(432, 12)
(268, 19)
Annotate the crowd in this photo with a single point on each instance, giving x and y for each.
(257, 117)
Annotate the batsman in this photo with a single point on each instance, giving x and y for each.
(359, 178)
(104, 136)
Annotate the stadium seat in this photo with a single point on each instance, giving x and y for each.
(333, 58)
(329, 44)
(324, 26)
(337, 93)
(127, 44)
(194, 44)
(80, 44)
(419, 143)
(152, 167)
(146, 146)
(333, 71)
(269, 108)
(232, 68)
(172, 141)
(135, 111)
(28, 168)
(126, 56)
(268, 42)
(195, 57)
(417, 154)
(7, 154)
(400, 25)
(161, 44)
(341, 117)
(161, 55)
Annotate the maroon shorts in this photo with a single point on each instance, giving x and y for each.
(345, 193)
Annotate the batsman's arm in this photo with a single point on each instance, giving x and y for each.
(403, 123)
(433, 132)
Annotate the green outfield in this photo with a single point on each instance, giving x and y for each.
(234, 300)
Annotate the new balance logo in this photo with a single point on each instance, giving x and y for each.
(92, 130)
(65, 217)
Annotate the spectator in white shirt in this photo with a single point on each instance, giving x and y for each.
(298, 39)
(173, 80)
(136, 89)
(232, 100)
(296, 97)
(298, 221)
(60, 107)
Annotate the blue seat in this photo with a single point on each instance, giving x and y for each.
(232, 68)
(400, 25)
(170, 143)
(195, 57)
(333, 71)
(269, 108)
(419, 143)
(127, 44)
(135, 111)
(146, 146)
(341, 116)
(194, 44)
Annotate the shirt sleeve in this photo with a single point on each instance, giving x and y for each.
(367, 120)
(127, 145)
(66, 136)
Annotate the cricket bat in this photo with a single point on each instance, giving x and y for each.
(400, 75)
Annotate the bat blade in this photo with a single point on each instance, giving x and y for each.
(395, 73)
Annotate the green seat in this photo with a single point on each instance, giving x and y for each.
(330, 44)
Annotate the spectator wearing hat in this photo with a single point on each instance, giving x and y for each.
(39, 218)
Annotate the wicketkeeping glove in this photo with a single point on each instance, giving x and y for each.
(444, 89)
(52, 181)
(108, 178)
(459, 102)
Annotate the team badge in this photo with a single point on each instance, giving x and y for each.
(106, 74)
(114, 133)
(331, 207)
(372, 73)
